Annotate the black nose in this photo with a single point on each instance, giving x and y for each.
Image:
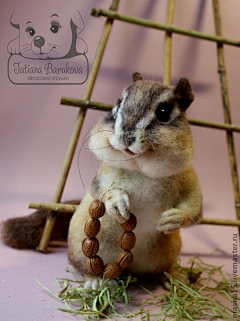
(128, 140)
(39, 41)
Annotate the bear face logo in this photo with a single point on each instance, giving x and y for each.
(54, 36)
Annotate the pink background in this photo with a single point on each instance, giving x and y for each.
(35, 129)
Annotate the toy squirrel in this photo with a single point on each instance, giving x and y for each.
(146, 148)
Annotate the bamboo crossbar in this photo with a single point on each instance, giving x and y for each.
(221, 126)
(85, 103)
(55, 207)
(107, 107)
(219, 221)
(70, 208)
(166, 27)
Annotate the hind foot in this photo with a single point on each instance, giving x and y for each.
(95, 283)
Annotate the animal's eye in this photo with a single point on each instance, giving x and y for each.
(163, 113)
(55, 26)
(30, 31)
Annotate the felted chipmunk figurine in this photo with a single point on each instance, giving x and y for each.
(146, 148)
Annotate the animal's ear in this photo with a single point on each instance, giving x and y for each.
(183, 93)
(78, 22)
(136, 76)
(13, 20)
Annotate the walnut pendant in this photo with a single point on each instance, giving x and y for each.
(92, 227)
(95, 265)
(130, 224)
(96, 209)
(128, 240)
(90, 247)
(90, 244)
(112, 270)
(125, 258)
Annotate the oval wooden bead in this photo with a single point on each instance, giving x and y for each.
(127, 240)
(96, 209)
(95, 265)
(130, 224)
(112, 270)
(90, 247)
(125, 258)
(92, 227)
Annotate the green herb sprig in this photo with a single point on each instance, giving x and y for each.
(90, 303)
(200, 291)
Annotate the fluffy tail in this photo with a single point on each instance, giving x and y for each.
(25, 232)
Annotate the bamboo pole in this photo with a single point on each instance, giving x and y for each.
(107, 107)
(70, 208)
(169, 28)
(51, 218)
(167, 51)
(226, 107)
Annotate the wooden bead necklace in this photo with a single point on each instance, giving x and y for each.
(90, 244)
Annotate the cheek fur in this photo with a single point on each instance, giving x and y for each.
(116, 143)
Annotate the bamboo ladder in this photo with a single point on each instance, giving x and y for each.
(86, 103)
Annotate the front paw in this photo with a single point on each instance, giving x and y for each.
(118, 205)
(170, 221)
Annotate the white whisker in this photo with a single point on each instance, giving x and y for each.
(97, 141)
